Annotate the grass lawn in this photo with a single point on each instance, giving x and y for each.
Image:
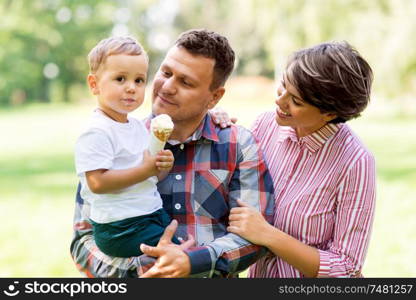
(38, 182)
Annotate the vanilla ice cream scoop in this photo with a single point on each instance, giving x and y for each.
(161, 128)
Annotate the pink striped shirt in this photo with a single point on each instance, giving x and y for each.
(324, 192)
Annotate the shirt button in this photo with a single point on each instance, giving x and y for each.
(182, 146)
(178, 177)
(177, 206)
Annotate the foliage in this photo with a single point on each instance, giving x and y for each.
(45, 42)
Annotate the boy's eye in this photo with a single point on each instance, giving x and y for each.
(120, 78)
(140, 80)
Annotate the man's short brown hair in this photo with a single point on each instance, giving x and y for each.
(210, 45)
(333, 77)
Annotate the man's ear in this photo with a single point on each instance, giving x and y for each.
(92, 83)
(216, 97)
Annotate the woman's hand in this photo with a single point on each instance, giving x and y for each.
(221, 117)
(250, 224)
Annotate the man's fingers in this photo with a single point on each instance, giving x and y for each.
(151, 273)
(160, 271)
(167, 235)
(189, 243)
(149, 250)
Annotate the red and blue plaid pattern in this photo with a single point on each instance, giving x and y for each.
(212, 169)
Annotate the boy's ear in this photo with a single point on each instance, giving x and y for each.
(216, 97)
(92, 83)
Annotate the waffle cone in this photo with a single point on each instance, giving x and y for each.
(162, 135)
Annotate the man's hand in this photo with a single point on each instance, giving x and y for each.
(172, 261)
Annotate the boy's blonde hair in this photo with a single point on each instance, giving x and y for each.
(113, 46)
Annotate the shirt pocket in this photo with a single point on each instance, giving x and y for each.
(211, 193)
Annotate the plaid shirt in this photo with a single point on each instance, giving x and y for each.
(212, 169)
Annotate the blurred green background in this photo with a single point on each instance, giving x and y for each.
(44, 104)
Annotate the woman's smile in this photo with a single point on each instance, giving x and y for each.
(282, 114)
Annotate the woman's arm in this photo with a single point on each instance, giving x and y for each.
(347, 250)
(353, 224)
(251, 225)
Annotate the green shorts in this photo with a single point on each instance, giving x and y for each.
(123, 238)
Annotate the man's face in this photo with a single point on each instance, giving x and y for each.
(181, 87)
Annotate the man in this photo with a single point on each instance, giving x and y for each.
(213, 168)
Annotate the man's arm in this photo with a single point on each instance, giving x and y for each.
(87, 257)
(250, 182)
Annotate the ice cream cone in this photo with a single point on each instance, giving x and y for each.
(161, 128)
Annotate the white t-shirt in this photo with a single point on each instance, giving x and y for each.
(107, 144)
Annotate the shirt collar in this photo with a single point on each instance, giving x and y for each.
(206, 129)
(314, 141)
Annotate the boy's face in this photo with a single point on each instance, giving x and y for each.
(120, 84)
(181, 87)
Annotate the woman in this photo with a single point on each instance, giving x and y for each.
(324, 177)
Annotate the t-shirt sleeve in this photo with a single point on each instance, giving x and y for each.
(93, 151)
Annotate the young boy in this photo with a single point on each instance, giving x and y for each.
(116, 171)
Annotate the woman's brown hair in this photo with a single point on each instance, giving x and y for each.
(333, 77)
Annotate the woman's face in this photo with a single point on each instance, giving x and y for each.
(294, 112)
